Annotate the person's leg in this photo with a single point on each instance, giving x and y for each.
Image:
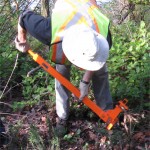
(101, 89)
(62, 94)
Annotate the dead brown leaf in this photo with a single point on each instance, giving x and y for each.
(103, 140)
(116, 147)
(92, 136)
(138, 135)
(43, 118)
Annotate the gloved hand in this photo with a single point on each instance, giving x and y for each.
(21, 46)
(84, 88)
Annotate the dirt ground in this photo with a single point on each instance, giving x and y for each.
(34, 126)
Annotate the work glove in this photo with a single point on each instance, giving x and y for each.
(22, 47)
(84, 88)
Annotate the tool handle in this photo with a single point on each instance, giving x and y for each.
(106, 117)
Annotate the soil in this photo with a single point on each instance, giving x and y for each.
(85, 130)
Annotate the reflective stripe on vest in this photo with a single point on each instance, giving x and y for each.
(79, 12)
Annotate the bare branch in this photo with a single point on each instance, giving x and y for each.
(33, 70)
(12, 88)
(131, 8)
(6, 104)
(10, 76)
(10, 114)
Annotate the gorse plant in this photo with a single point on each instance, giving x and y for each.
(129, 62)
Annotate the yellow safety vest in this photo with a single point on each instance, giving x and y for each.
(71, 12)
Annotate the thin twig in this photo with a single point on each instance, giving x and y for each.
(12, 88)
(33, 70)
(10, 114)
(10, 76)
(130, 9)
(6, 104)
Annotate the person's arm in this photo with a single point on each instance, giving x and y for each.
(87, 76)
(21, 40)
(34, 24)
(21, 34)
(84, 84)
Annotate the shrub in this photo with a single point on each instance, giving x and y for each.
(129, 62)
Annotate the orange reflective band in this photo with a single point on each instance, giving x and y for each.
(69, 2)
(54, 48)
(90, 10)
(68, 20)
(82, 20)
(63, 59)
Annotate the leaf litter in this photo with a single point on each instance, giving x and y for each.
(85, 132)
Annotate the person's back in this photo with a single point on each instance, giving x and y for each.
(70, 12)
(67, 13)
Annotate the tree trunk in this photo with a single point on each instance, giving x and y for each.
(45, 8)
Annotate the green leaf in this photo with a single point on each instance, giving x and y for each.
(142, 25)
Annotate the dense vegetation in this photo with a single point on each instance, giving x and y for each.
(22, 96)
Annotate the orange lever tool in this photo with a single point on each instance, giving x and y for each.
(109, 117)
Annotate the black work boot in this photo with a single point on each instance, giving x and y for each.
(61, 127)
